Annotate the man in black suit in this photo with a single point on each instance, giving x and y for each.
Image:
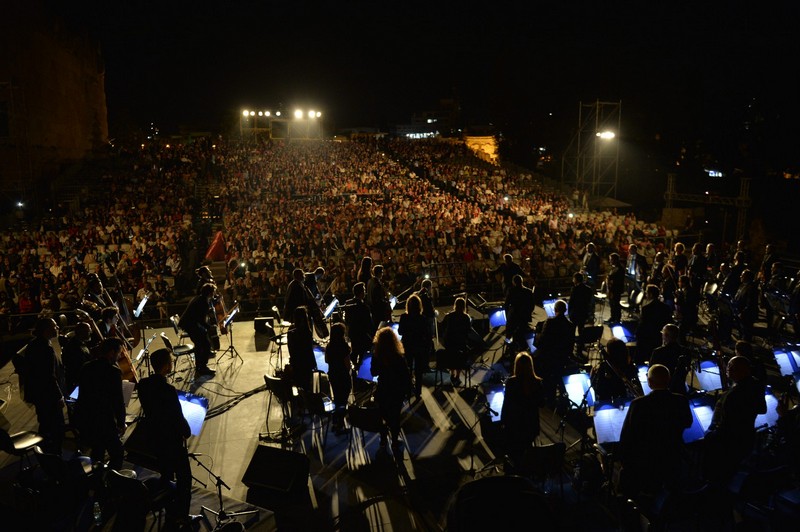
(360, 327)
(615, 286)
(672, 355)
(580, 305)
(195, 322)
(425, 294)
(166, 431)
(745, 304)
(635, 270)
(732, 433)
(590, 265)
(100, 409)
(508, 269)
(651, 441)
(554, 346)
(44, 382)
(297, 294)
(519, 306)
(654, 315)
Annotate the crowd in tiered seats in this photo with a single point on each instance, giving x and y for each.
(414, 206)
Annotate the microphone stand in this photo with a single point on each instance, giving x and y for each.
(221, 514)
(493, 462)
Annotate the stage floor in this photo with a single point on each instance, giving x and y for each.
(350, 486)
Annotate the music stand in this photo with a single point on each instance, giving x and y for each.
(228, 324)
(144, 353)
(580, 394)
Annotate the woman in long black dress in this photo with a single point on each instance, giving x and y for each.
(337, 355)
(520, 413)
(457, 326)
(416, 340)
(394, 382)
(300, 341)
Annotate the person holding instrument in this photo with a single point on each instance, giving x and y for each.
(616, 377)
(195, 322)
(100, 409)
(166, 431)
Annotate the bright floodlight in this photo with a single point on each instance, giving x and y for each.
(245, 113)
(266, 113)
(260, 113)
(606, 135)
(252, 113)
(319, 114)
(312, 114)
(20, 204)
(298, 114)
(277, 113)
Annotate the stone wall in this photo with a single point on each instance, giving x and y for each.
(52, 86)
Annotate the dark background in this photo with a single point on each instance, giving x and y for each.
(710, 83)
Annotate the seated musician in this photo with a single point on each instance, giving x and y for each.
(109, 318)
(654, 315)
(616, 376)
(732, 434)
(745, 304)
(651, 442)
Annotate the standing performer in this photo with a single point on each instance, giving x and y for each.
(360, 327)
(195, 322)
(100, 409)
(166, 431)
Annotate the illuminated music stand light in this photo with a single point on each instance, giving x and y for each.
(228, 324)
(140, 308)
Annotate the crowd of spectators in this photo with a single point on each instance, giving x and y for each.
(417, 207)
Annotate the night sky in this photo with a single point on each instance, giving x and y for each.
(716, 79)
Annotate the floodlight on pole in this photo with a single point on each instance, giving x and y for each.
(606, 135)
(245, 113)
(252, 113)
(312, 114)
(298, 113)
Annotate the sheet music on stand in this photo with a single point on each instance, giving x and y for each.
(549, 307)
(788, 361)
(708, 377)
(229, 318)
(577, 385)
(146, 347)
(642, 374)
(127, 392)
(497, 318)
(495, 397)
(194, 408)
(608, 419)
(770, 418)
(702, 413)
(140, 308)
(330, 308)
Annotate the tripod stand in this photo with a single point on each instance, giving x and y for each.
(144, 355)
(494, 462)
(222, 515)
(229, 325)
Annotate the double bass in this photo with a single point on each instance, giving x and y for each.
(125, 362)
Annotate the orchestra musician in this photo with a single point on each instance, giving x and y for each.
(651, 440)
(377, 298)
(519, 305)
(616, 376)
(360, 327)
(672, 355)
(195, 321)
(732, 433)
(100, 409)
(311, 279)
(745, 304)
(297, 294)
(217, 311)
(580, 306)
(635, 270)
(590, 265)
(615, 286)
(654, 315)
(687, 302)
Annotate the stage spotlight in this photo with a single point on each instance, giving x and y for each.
(312, 114)
(260, 113)
(606, 135)
(252, 113)
(298, 113)
(245, 113)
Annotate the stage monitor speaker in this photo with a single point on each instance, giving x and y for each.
(277, 470)
(264, 325)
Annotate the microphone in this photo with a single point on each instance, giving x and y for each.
(194, 455)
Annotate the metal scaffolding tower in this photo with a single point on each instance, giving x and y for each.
(591, 161)
(741, 202)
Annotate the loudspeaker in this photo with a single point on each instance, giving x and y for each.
(277, 470)
(264, 325)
